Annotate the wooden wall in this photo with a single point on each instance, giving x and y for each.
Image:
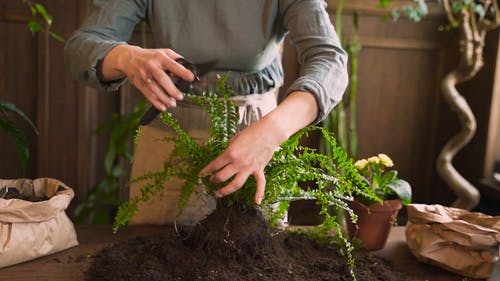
(400, 108)
(66, 113)
(398, 101)
(19, 82)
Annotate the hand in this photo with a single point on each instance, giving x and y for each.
(247, 154)
(145, 69)
(251, 150)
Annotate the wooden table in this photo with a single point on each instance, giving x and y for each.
(72, 263)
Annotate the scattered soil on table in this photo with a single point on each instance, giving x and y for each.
(235, 245)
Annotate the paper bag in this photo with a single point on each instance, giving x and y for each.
(457, 240)
(29, 230)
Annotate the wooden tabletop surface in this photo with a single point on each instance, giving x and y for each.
(72, 264)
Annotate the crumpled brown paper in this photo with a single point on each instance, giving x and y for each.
(460, 241)
(29, 230)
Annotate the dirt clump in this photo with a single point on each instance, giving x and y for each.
(232, 244)
(13, 193)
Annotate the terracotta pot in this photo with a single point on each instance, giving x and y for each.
(374, 222)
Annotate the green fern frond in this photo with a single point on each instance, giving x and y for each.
(186, 191)
(125, 212)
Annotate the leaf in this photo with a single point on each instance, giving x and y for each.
(41, 10)
(56, 36)
(478, 9)
(395, 14)
(10, 107)
(403, 189)
(34, 26)
(384, 3)
(19, 139)
(388, 177)
(33, 10)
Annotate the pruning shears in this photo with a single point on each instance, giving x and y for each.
(199, 85)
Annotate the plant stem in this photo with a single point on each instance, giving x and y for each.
(354, 54)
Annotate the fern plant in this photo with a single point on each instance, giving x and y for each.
(336, 178)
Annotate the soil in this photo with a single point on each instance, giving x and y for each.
(13, 193)
(232, 244)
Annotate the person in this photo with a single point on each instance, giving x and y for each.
(244, 37)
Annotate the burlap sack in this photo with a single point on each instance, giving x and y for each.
(457, 240)
(29, 230)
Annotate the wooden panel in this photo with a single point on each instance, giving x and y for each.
(396, 109)
(76, 150)
(18, 84)
(372, 7)
(400, 66)
(66, 113)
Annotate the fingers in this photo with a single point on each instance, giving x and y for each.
(152, 92)
(167, 99)
(234, 185)
(260, 180)
(169, 63)
(238, 181)
(215, 165)
(148, 73)
(224, 174)
(165, 84)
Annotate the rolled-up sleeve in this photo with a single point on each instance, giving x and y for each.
(110, 24)
(323, 70)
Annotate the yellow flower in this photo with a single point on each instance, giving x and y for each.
(361, 164)
(374, 160)
(385, 160)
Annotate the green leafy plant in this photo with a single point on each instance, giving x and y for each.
(103, 198)
(415, 13)
(335, 176)
(418, 11)
(383, 181)
(342, 119)
(41, 20)
(12, 131)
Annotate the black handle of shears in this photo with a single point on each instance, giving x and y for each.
(152, 112)
(149, 116)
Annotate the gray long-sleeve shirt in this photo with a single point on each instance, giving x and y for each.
(242, 35)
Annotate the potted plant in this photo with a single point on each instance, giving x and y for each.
(376, 217)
